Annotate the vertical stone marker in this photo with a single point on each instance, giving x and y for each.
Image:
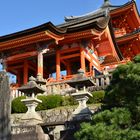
(5, 107)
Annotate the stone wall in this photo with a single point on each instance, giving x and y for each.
(28, 133)
(57, 123)
(54, 116)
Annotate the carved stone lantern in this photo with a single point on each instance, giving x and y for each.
(31, 89)
(80, 83)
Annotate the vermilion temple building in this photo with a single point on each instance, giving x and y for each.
(101, 39)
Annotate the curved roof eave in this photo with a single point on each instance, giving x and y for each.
(98, 25)
(103, 8)
(43, 27)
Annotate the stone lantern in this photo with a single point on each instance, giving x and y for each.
(80, 82)
(31, 89)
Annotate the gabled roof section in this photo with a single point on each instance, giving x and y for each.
(129, 3)
(98, 22)
(105, 10)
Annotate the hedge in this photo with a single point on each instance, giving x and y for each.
(43, 105)
(98, 97)
(18, 106)
(53, 101)
(68, 100)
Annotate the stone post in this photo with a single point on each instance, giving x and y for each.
(82, 97)
(5, 107)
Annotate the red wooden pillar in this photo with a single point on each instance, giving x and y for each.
(82, 59)
(58, 65)
(68, 68)
(25, 71)
(19, 77)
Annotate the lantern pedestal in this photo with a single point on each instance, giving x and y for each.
(31, 116)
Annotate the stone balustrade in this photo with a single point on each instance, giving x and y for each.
(101, 82)
(57, 88)
(15, 93)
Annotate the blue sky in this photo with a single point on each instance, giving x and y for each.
(17, 15)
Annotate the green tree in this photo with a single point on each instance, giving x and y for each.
(114, 124)
(120, 116)
(124, 90)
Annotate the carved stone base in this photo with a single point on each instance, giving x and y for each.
(82, 111)
(31, 117)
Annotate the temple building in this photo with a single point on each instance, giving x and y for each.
(100, 39)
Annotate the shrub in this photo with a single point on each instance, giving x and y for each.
(53, 101)
(18, 106)
(98, 97)
(69, 100)
(43, 105)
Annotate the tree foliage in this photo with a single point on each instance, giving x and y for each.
(114, 124)
(120, 117)
(124, 90)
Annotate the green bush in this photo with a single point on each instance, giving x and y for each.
(68, 100)
(48, 102)
(18, 106)
(53, 101)
(43, 105)
(98, 97)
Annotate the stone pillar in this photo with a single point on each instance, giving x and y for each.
(58, 69)
(97, 82)
(107, 80)
(56, 131)
(5, 107)
(102, 82)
